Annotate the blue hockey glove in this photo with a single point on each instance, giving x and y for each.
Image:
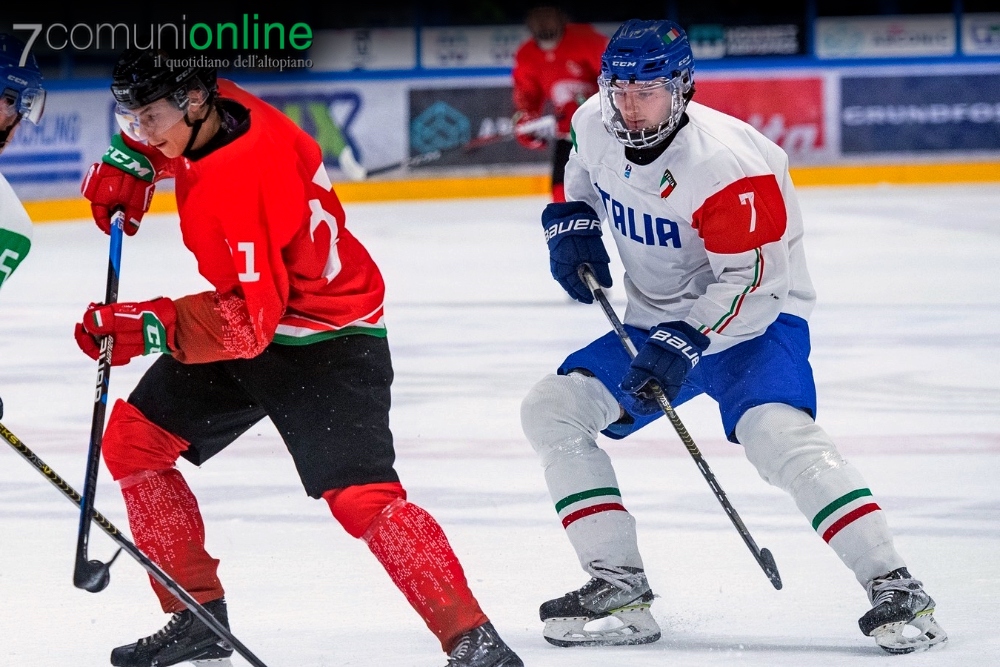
(670, 352)
(573, 232)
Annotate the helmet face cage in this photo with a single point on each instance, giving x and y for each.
(646, 81)
(21, 92)
(22, 88)
(644, 113)
(31, 104)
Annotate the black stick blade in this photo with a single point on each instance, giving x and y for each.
(770, 568)
(92, 575)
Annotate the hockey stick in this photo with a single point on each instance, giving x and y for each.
(763, 556)
(544, 125)
(93, 575)
(124, 544)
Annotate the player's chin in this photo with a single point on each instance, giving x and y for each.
(166, 148)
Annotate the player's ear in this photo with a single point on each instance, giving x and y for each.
(198, 97)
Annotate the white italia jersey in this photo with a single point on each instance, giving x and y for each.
(15, 231)
(710, 232)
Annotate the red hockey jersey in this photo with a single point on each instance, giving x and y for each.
(566, 76)
(268, 233)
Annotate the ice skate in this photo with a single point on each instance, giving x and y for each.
(898, 600)
(183, 639)
(623, 597)
(482, 647)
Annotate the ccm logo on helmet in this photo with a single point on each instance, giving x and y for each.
(624, 63)
(679, 344)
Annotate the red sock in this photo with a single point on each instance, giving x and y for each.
(415, 552)
(167, 526)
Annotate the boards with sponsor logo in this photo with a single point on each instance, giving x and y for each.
(819, 116)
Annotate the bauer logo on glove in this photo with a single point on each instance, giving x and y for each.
(668, 355)
(577, 225)
(680, 344)
(573, 234)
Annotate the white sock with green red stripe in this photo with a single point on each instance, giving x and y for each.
(794, 454)
(561, 417)
(586, 496)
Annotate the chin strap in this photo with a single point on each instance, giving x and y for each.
(196, 125)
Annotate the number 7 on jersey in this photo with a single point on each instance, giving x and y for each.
(745, 198)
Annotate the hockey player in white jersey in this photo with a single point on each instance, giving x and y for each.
(21, 97)
(709, 230)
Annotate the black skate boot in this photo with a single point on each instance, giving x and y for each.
(624, 596)
(899, 600)
(482, 647)
(183, 639)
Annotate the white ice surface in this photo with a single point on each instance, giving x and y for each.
(906, 350)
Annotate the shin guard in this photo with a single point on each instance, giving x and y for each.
(794, 454)
(561, 417)
(414, 551)
(167, 526)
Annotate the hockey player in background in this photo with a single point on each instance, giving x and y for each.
(293, 330)
(21, 97)
(709, 230)
(558, 65)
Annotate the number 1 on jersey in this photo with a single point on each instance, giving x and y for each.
(248, 275)
(746, 197)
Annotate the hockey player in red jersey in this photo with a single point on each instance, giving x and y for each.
(558, 65)
(292, 330)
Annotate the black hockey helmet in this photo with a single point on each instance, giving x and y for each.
(141, 77)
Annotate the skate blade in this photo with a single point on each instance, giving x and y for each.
(890, 637)
(635, 625)
(213, 662)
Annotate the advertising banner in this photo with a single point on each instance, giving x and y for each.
(444, 119)
(917, 114)
(471, 47)
(981, 34)
(711, 41)
(369, 49)
(788, 111)
(367, 116)
(885, 36)
(50, 159)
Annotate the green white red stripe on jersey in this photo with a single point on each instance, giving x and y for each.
(734, 307)
(296, 329)
(585, 503)
(844, 511)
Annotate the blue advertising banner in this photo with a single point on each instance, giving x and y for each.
(913, 114)
(53, 156)
(446, 118)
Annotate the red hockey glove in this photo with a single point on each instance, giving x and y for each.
(123, 178)
(527, 139)
(138, 328)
